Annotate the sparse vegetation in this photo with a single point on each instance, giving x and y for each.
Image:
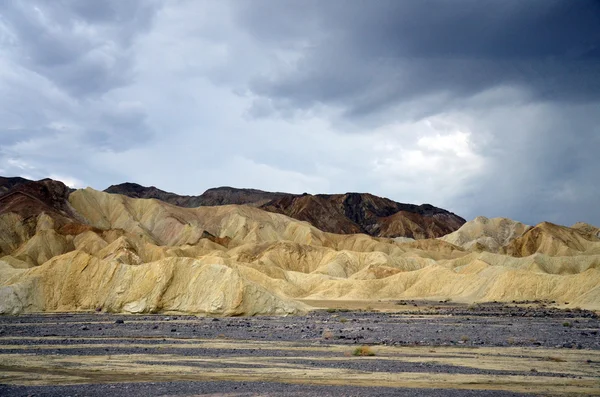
(567, 324)
(343, 320)
(327, 334)
(334, 310)
(555, 359)
(464, 338)
(363, 351)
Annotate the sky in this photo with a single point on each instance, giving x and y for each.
(481, 107)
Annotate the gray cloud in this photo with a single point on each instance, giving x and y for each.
(365, 58)
(82, 46)
(484, 108)
(61, 60)
(393, 61)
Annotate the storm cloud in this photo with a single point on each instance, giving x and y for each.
(484, 108)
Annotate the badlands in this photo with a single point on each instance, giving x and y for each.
(139, 292)
(86, 250)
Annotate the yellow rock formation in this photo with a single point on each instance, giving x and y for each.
(139, 256)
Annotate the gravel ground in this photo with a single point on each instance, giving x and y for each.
(484, 325)
(241, 389)
(156, 336)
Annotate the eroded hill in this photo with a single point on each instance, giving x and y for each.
(90, 250)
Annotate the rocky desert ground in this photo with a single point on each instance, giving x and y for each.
(431, 349)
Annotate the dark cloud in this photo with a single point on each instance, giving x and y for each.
(542, 163)
(363, 57)
(387, 61)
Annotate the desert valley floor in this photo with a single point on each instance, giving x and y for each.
(419, 349)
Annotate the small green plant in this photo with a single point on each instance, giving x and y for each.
(363, 351)
(567, 324)
(331, 310)
(343, 320)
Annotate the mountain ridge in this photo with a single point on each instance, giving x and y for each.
(345, 213)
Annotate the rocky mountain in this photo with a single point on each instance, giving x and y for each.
(30, 198)
(8, 183)
(366, 213)
(217, 196)
(336, 213)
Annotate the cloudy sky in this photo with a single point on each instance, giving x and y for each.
(481, 107)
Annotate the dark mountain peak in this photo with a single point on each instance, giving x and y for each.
(136, 190)
(230, 195)
(215, 196)
(238, 190)
(30, 198)
(366, 213)
(7, 183)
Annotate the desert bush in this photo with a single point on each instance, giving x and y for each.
(363, 351)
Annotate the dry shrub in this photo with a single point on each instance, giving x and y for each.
(363, 351)
(327, 334)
